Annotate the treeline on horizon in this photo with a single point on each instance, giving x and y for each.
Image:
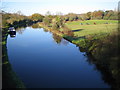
(13, 19)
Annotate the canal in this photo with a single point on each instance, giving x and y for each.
(44, 60)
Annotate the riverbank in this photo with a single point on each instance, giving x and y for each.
(9, 77)
(57, 32)
(84, 34)
(90, 43)
(91, 33)
(103, 47)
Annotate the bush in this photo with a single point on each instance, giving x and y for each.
(47, 21)
(55, 26)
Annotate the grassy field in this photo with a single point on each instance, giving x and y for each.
(89, 28)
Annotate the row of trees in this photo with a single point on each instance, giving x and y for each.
(96, 15)
(57, 21)
(12, 19)
(17, 19)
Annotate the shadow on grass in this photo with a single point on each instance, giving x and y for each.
(77, 30)
(69, 38)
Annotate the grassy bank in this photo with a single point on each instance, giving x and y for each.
(101, 42)
(87, 36)
(92, 37)
(55, 31)
(96, 30)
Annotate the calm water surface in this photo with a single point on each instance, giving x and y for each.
(40, 62)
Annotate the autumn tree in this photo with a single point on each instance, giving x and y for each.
(46, 21)
(89, 15)
(110, 14)
(37, 17)
(98, 14)
(57, 22)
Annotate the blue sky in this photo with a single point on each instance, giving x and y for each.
(28, 7)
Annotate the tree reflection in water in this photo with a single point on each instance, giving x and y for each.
(9, 77)
(45, 30)
(35, 26)
(105, 57)
(59, 39)
(20, 30)
(12, 33)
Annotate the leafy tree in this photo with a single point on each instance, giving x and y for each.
(57, 22)
(66, 18)
(14, 19)
(79, 17)
(110, 14)
(47, 20)
(72, 16)
(98, 14)
(5, 16)
(89, 15)
(37, 17)
(83, 17)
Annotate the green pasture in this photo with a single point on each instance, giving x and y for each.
(89, 28)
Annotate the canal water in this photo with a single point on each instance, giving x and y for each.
(43, 60)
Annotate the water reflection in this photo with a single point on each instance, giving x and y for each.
(109, 69)
(45, 30)
(35, 26)
(106, 60)
(59, 40)
(12, 33)
(108, 66)
(20, 30)
(9, 77)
